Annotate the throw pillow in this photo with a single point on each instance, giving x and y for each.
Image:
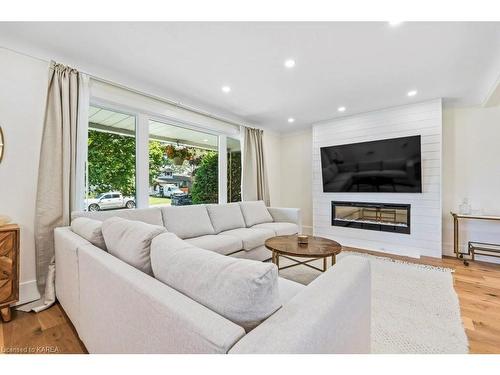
(225, 216)
(130, 241)
(255, 213)
(242, 290)
(187, 221)
(89, 229)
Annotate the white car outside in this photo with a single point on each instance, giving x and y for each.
(171, 189)
(109, 201)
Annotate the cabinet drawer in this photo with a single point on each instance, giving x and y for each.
(7, 244)
(6, 268)
(9, 247)
(7, 271)
(6, 290)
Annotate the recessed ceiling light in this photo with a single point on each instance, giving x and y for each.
(341, 109)
(226, 89)
(395, 23)
(290, 63)
(291, 119)
(412, 93)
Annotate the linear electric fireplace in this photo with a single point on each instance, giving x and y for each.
(386, 217)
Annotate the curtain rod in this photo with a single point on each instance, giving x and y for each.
(151, 96)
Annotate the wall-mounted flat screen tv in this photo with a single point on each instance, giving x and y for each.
(385, 166)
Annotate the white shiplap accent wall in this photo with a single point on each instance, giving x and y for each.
(424, 119)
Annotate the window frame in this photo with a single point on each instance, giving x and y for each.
(142, 120)
(180, 124)
(82, 148)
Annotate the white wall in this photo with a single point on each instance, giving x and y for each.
(423, 119)
(471, 169)
(296, 174)
(22, 105)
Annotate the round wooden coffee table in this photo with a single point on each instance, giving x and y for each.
(316, 248)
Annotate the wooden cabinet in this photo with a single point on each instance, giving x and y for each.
(9, 268)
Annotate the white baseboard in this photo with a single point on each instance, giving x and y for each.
(28, 292)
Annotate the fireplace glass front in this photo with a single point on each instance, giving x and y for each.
(385, 217)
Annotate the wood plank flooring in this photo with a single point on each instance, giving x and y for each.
(477, 286)
(48, 332)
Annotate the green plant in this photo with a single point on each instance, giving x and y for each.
(157, 160)
(111, 163)
(111, 167)
(183, 153)
(234, 176)
(205, 185)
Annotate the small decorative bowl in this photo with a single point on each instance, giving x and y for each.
(302, 238)
(4, 220)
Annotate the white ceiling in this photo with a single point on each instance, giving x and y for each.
(363, 66)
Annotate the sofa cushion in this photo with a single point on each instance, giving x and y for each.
(255, 213)
(243, 291)
(217, 242)
(251, 237)
(89, 229)
(259, 253)
(187, 221)
(279, 228)
(288, 289)
(130, 241)
(150, 215)
(225, 216)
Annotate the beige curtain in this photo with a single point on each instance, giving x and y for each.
(56, 174)
(254, 184)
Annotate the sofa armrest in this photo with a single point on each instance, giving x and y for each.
(124, 310)
(287, 215)
(331, 315)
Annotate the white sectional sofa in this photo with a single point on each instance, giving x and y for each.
(186, 296)
(229, 229)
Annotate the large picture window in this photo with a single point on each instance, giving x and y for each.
(111, 160)
(183, 165)
(137, 159)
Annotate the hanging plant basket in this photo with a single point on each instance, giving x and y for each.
(178, 160)
(178, 154)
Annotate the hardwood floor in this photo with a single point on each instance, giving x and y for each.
(477, 286)
(48, 332)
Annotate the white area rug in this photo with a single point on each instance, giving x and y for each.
(414, 307)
